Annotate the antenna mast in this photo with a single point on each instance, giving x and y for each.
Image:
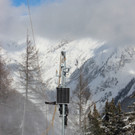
(62, 91)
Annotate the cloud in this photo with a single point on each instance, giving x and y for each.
(107, 20)
(11, 21)
(100, 19)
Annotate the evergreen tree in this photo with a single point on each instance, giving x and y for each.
(108, 121)
(131, 119)
(113, 120)
(119, 120)
(112, 107)
(119, 111)
(94, 125)
(95, 112)
(106, 107)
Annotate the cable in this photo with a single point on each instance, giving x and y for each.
(33, 35)
(24, 115)
(51, 124)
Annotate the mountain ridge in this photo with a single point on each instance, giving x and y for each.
(102, 65)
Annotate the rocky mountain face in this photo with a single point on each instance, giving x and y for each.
(125, 96)
(110, 74)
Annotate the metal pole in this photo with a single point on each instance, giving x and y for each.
(63, 119)
(63, 85)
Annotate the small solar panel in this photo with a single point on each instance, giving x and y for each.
(63, 95)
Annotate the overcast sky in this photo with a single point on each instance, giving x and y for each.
(109, 20)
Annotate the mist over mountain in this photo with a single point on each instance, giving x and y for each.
(109, 71)
(12, 113)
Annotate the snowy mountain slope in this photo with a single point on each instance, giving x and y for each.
(107, 69)
(74, 50)
(127, 91)
(124, 96)
(50, 54)
(108, 72)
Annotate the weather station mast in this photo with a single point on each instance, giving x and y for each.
(63, 93)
